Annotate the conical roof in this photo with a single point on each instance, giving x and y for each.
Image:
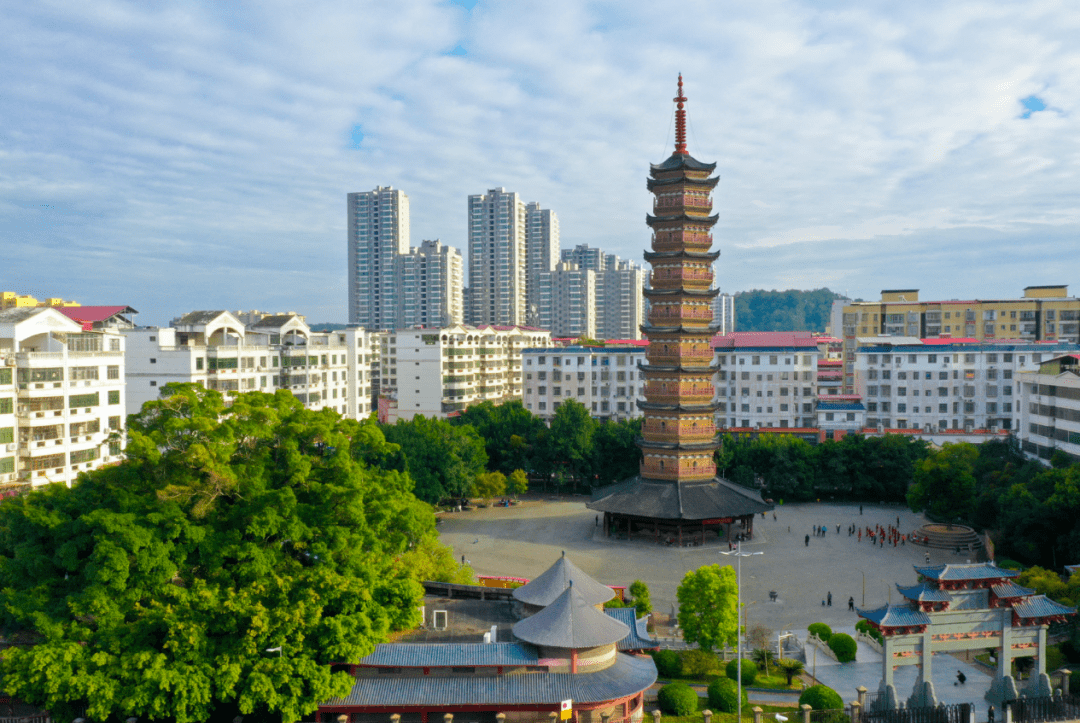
(570, 621)
(545, 589)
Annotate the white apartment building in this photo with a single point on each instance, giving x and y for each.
(605, 379)
(378, 232)
(61, 396)
(1048, 408)
(620, 304)
(497, 259)
(430, 279)
(439, 372)
(541, 252)
(723, 308)
(766, 379)
(566, 298)
(933, 385)
(214, 349)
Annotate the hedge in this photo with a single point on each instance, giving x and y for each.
(678, 699)
(722, 695)
(821, 630)
(749, 671)
(844, 646)
(821, 697)
(668, 663)
(868, 629)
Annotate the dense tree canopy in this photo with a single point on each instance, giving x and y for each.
(443, 459)
(945, 482)
(155, 588)
(760, 310)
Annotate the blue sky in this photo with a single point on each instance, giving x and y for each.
(179, 156)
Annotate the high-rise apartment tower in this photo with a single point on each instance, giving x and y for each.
(541, 252)
(497, 258)
(430, 278)
(378, 231)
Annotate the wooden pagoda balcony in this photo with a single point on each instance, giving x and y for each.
(665, 315)
(662, 278)
(685, 470)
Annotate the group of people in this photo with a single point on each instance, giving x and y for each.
(880, 535)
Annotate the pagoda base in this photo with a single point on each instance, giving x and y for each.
(678, 513)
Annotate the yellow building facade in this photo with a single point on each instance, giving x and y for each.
(13, 300)
(1044, 313)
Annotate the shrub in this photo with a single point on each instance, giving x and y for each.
(678, 699)
(821, 697)
(868, 629)
(749, 671)
(844, 646)
(821, 630)
(615, 602)
(790, 667)
(1006, 564)
(697, 663)
(722, 695)
(642, 601)
(668, 663)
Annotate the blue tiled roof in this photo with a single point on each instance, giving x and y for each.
(543, 590)
(896, 616)
(628, 676)
(1040, 606)
(975, 571)
(1011, 589)
(638, 639)
(970, 601)
(570, 622)
(445, 655)
(840, 406)
(924, 593)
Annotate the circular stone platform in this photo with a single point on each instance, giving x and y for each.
(946, 537)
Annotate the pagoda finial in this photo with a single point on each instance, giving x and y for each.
(680, 121)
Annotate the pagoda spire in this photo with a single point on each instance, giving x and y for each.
(680, 121)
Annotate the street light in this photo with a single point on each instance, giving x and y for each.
(739, 554)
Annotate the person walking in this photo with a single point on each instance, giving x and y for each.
(927, 558)
(807, 541)
(829, 598)
(851, 604)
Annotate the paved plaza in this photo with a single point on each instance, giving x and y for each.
(523, 541)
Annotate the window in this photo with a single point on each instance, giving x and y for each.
(81, 373)
(932, 358)
(86, 400)
(112, 372)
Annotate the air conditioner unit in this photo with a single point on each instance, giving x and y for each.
(10, 448)
(10, 361)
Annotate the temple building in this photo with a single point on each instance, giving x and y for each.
(677, 497)
(965, 607)
(565, 649)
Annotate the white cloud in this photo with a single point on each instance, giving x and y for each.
(198, 156)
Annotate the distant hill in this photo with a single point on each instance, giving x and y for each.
(792, 310)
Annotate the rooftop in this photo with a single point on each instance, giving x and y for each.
(896, 616)
(444, 655)
(972, 571)
(765, 339)
(546, 588)
(570, 621)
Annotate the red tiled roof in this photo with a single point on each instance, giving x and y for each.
(830, 363)
(90, 314)
(750, 339)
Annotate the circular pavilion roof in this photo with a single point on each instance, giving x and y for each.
(570, 621)
(545, 589)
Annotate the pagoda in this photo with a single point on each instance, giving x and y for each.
(677, 496)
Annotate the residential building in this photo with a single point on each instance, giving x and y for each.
(541, 254)
(621, 306)
(378, 232)
(61, 396)
(839, 415)
(566, 301)
(439, 372)
(766, 379)
(12, 300)
(605, 379)
(214, 349)
(430, 279)
(1045, 313)
(497, 259)
(936, 385)
(1048, 408)
(723, 308)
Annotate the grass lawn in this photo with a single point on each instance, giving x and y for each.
(748, 713)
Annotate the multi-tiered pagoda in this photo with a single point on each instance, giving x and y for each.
(677, 497)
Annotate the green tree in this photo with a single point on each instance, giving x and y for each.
(707, 607)
(154, 588)
(639, 591)
(443, 459)
(569, 445)
(821, 697)
(844, 646)
(677, 699)
(509, 431)
(724, 695)
(616, 455)
(790, 667)
(748, 667)
(518, 483)
(488, 485)
(945, 483)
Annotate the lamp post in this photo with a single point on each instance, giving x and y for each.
(739, 554)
